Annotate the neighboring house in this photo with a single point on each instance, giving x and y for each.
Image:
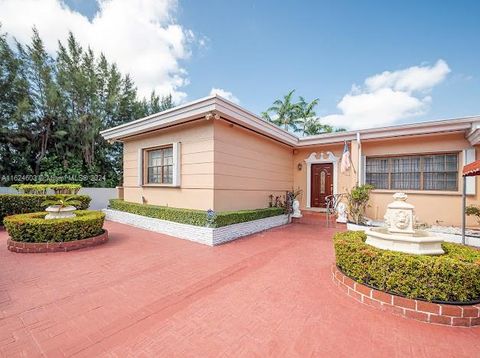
(212, 153)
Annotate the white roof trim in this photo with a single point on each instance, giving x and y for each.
(177, 115)
(420, 128)
(474, 134)
(235, 113)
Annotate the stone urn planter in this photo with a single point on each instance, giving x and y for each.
(60, 212)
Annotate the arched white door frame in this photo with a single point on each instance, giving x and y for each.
(321, 158)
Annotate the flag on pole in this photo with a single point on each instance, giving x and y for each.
(345, 164)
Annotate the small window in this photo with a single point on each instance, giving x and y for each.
(414, 172)
(159, 169)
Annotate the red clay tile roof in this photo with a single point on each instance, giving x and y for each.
(471, 169)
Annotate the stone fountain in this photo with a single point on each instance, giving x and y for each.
(400, 235)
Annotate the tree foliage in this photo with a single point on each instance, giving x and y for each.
(53, 108)
(298, 117)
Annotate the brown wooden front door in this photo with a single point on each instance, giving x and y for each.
(322, 184)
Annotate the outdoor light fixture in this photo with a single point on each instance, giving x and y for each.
(299, 166)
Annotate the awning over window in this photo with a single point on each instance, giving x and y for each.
(471, 169)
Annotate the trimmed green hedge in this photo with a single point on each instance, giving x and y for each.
(194, 217)
(11, 204)
(41, 189)
(452, 277)
(33, 227)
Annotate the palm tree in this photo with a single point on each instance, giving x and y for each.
(266, 116)
(314, 127)
(286, 112)
(62, 202)
(290, 115)
(307, 115)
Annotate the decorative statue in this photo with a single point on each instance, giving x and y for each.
(341, 213)
(296, 209)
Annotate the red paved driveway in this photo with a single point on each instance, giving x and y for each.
(145, 294)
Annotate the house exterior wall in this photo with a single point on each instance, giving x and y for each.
(226, 167)
(248, 168)
(431, 207)
(344, 181)
(196, 167)
(222, 167)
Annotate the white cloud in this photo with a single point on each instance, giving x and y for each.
(388, 97)
(225, 94)
(141, 36)
(414, 78)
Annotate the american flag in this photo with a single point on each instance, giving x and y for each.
(345, 164)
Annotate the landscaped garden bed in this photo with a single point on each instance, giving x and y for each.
(194, 217)
(11, 204)
(452, 279)
(33, 233)
(206, 227)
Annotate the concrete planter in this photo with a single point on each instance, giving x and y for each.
(202, 235)
(58, 212)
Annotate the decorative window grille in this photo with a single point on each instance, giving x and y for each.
(413, 172)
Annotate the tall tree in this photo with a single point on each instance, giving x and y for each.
(45, 102)
(14, 106)
(52, 110)
(297, 116)
(286, 112)
(306, 114)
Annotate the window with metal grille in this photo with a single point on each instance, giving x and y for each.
(413, 172)
(159, 165)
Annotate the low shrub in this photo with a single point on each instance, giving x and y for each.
(11, 204)
(194, 217)
(225, 218)
(452, 277)
(33, 227)
(41, 189)
(357, 202)
(472, 210)
(70, 189)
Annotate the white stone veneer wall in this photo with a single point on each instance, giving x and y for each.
(202, 235)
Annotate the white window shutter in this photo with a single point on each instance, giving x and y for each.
(176, 164)
(469, 157)
(140, 166)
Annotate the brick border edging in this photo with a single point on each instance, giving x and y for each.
(448, 315)
(42, 247)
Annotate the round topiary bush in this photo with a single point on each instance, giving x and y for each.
(33, 227)
(452, 277)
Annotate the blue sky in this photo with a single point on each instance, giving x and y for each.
(259, 50)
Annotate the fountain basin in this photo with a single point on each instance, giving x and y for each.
(419, 243)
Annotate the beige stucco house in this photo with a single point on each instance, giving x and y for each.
(212, 153)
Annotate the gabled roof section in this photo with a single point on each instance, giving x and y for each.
(217, 105)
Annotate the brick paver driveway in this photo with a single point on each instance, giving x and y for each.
(146, 294)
